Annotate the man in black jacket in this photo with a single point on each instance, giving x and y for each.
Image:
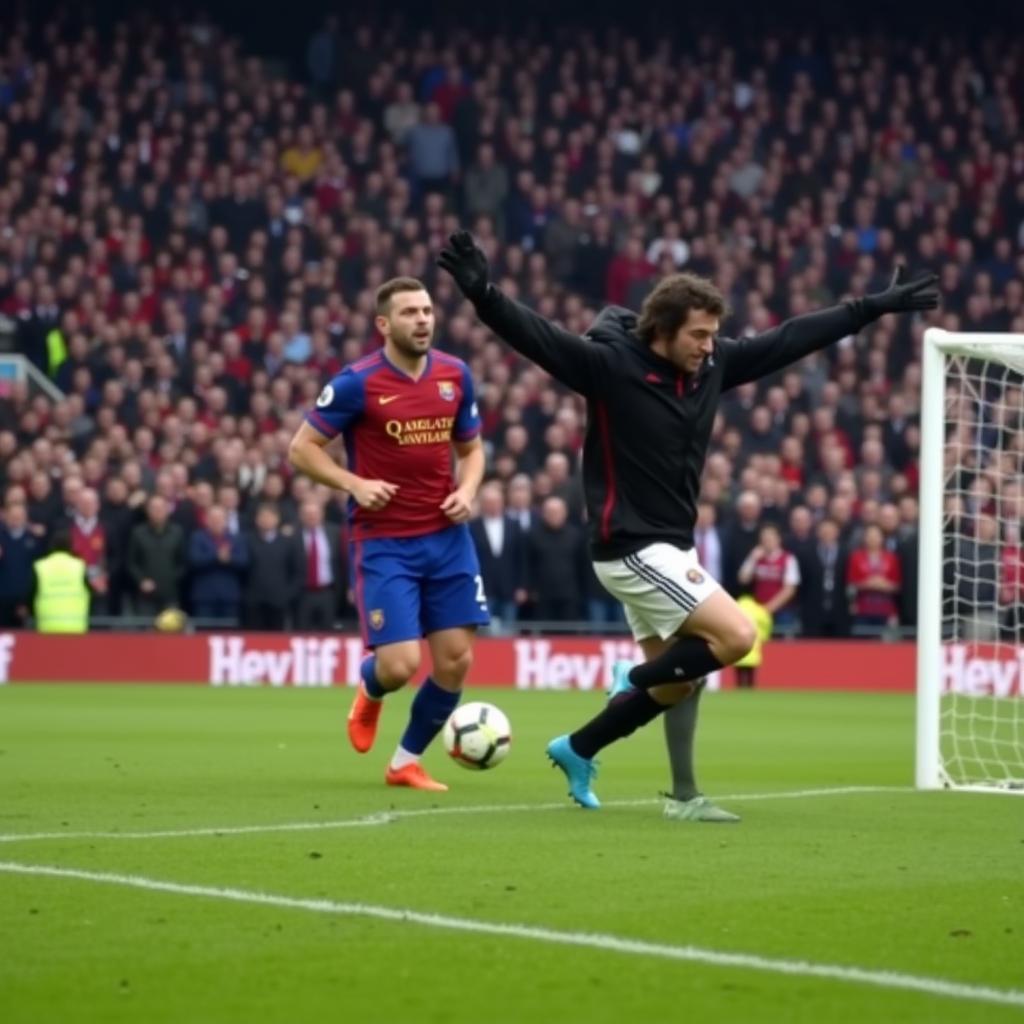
(156, 560)
(556, 564)
(118, 519)
(19, 548)
(501, 548)
(800, 543)
(829, 615)
(275, 572)
(739, 539)
(652, 384)
(323, 574)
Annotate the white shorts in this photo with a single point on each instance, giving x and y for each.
(659, 586)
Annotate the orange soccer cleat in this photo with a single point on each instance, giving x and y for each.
(363, 717)
(413, 776)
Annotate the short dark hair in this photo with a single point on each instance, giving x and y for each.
(393, 287)
(665, 310)
(61, 540)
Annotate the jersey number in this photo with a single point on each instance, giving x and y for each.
(481, 598)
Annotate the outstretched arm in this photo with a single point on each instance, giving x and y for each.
(577, 363)
(752, 358)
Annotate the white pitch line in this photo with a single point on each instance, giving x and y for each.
(591, 940)
(389, 817)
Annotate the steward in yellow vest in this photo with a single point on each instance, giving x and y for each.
(761, 618)
(61, 593)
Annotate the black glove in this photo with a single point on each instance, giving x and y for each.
(901, 297)
(465, 261)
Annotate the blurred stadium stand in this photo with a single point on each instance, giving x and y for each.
(191, 236)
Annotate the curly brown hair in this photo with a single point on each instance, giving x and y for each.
(665, 310)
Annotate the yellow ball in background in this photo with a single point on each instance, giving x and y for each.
(171, 620)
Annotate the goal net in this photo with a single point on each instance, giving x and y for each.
(970, 685)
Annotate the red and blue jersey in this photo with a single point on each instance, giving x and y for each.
(400, 430)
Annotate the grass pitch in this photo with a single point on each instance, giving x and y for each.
(187, 907)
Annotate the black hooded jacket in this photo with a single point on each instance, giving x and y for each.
(648, 425)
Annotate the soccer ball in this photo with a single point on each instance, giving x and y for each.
(477, 735)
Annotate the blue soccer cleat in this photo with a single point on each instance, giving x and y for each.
(620, 679)
(578, 770)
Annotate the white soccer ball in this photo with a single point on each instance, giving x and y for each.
(477, 735)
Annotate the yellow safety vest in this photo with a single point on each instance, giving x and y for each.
(56, 351)
(761, 619)
(62, 595)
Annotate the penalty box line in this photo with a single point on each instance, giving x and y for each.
(940, 987)
(389, 817)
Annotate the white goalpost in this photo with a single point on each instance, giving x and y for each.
(970, 626)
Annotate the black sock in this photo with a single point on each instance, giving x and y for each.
(687, 659)
(620, 717)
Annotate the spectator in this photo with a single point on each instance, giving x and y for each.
(323, 572)
(630, 274)
(594, 253)
(907, 549)
(44, 508)
(402, 114)
(118, 519)
(274, 580)
(156, 561)
(671, 243)
(433, 153)
(217, 561)
(70, 491)
(520, 502)
(762, 436)
(230, 500)
(601, 608)
(707, 541)
(89, 543)
(874, 581)
(563, 484)
(322, 55)
(19, 548)
(801, 542)
(501, 549)
(772, 576)
(304, 158)
(61, 595)
(829, 615)
(486, 186)
(977, 571)
(562, 239)
(1011, 585)
(556, 562)
(740, 539)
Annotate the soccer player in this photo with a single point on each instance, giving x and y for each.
(652, 384)
(402, 410)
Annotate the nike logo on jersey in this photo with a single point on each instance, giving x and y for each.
(384, 399)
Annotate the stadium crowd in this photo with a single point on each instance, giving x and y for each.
(190, 242)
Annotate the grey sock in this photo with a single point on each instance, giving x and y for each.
(680, 726)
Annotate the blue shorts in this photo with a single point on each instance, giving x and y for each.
(408, 587)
